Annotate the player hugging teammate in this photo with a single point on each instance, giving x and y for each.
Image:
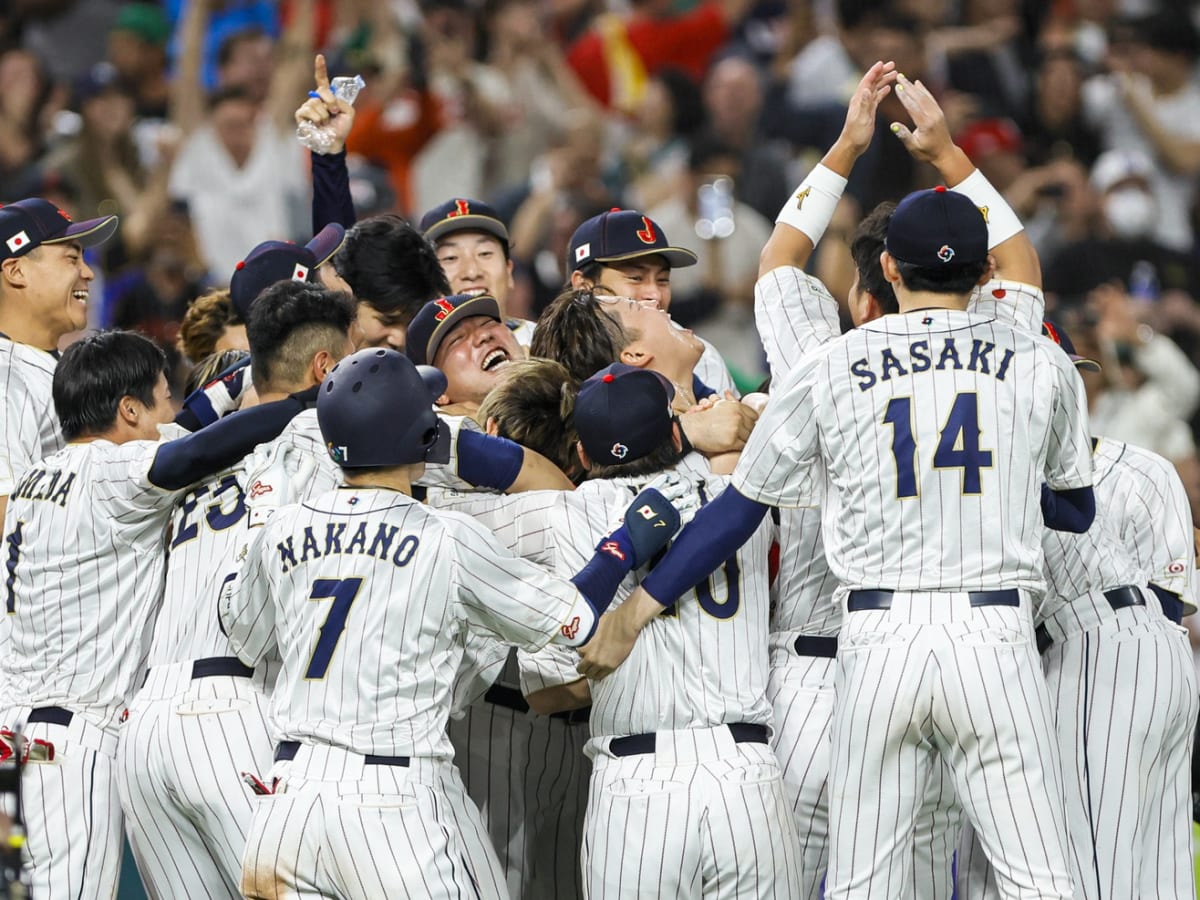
(415, 617)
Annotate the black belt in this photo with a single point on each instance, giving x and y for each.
(816, 645)
(511, 698)
(743, 733)
(864, 601)
(53, 715)
(1118, 598)
(287, 750)
(221, 665)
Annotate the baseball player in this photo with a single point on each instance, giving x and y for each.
(587, 329)
(909, 424)
(701, 735)
(199, 720)
(44, 285)
(366, 567)
(84, 533)
(628, 253)
(473, 248)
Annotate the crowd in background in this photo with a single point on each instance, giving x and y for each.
(701, 113)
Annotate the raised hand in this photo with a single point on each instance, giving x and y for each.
(859, 127)
(327, 110)
(929, 139)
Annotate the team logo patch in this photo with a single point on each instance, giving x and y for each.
(17, 241)
(258, 489)
(300, 273)
(646, 234)
(571, 629)
(802, 196)
(337, 454)
(612, 548)
(619, 450)
(983, 211)
(461, 208)
(445, 307)
(582, 252)
(946, 253)
(1177, 567)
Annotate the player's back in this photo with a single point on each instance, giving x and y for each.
(701, 663)
(371, 594)
(84, 534)
(935, 427)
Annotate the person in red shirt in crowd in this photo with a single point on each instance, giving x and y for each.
(614, 58)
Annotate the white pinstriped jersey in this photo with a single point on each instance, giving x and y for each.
(207, 529)
(367, 594)
(934, 429)
(27, 418)
(84, 544)
(711, 370)
(703, 665)
(1155, 521)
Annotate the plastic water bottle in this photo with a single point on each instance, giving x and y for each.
(1143, 282)
(322, 140)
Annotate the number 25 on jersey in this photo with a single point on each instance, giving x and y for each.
(957, 448)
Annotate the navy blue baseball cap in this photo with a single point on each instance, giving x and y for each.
(32, 222)
(463, 214)
(622, 413)
(274, 261)
(437, 318)
(936, 228)
(619, 235)
(1055, 332)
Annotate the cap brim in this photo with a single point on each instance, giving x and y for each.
(327, 242)
(676, 257)
(480, 305)
(451, 224)
(87, 233)
(1082, 362)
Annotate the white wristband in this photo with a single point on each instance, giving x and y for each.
(1002, 222)
(811, 205)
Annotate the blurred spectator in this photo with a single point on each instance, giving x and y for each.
(226, 18)
(137, 50)
(241, 171)
(27, 104)
(824, 71)
(717, 294)
(1055, 127)
(985, 56)
(540, 245)
(158, 297)
(654, 156)
(64, 34)
(994, 145)
(614, 58)
(733, 98)
(1121, 246)
(1150, 103)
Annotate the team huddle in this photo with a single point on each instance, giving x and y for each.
(418, 600)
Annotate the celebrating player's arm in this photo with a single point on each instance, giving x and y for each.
(929, 141)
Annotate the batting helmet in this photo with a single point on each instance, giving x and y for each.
(374, 409)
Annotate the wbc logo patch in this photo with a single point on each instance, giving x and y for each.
(17, 241)
(300, 273)
(946, 253)
(619, 450)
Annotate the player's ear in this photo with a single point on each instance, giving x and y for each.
(676, 436)
(511, 283)
(492, 427)
(13, 270)
(583, 457)
(577, 279)
(891, 272)
(322, 362)
(989, 273)
(636, 355)
(127, 411)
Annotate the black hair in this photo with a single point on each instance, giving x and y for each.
(706, 147)
(657, 460)
(953, 279)
(578, 332)
(391, 266)
(590, 270)
(97, 371)
(865, 247)
(288, 323)
(687, 105)
(231, 42)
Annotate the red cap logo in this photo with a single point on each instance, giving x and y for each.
(647, 234)
(463, 208)
(445, 307)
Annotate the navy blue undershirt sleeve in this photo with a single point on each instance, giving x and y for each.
(1071, 510)
(185, 461)
(715, 534)
(331, 191)
(488, 461)
(700, 390)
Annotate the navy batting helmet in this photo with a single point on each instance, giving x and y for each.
(374, 409)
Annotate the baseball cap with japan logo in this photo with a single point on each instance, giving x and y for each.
(274, 261)
(33, 222)
(622, 413)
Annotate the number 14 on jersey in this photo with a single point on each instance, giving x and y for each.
(957, 448)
